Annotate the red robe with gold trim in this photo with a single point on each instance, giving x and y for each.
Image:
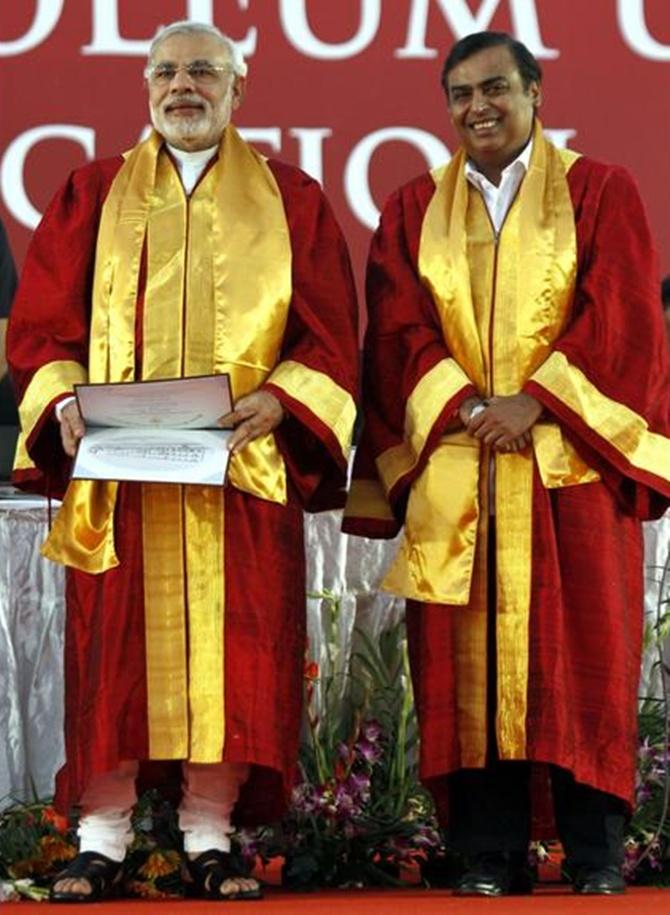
(586, 602)
(105, 676)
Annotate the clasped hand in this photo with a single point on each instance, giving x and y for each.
(505, 423)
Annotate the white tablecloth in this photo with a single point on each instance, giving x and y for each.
(32, 623)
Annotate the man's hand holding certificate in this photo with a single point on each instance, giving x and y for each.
(153, 431)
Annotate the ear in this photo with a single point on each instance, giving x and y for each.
(535, 92)
(239, 91)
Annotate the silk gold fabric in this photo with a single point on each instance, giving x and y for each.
(326, 399)
(622, 427)
(49, 382)
(502, 301)
(216, 300)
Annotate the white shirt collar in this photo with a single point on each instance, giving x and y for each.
(473, 174)
(195, 157)
(499, 198)
(191, 164)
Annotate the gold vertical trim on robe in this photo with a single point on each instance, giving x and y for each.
(471, 639)
(205, 545)
(164, 514)
(216, 300)
(166, 641)
(533, 284)
(533, 298)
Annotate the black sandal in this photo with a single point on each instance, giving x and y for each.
(102, 874)
(211, 869)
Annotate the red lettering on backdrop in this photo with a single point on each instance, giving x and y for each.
(349, 91)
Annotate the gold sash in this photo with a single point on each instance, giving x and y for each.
(216, 300)
(501, 304)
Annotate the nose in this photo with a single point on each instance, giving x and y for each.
(182, 79)
(479, 100)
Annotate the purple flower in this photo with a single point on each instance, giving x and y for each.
(359, 785)
(343, 751)
(305, 798)
(426, 837)
(345, 804)
(371, 731)
(369, 751)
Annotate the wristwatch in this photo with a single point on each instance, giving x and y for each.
(477, 409)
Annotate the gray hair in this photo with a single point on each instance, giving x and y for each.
(187, 27)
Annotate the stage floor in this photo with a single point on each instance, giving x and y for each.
(545, 901)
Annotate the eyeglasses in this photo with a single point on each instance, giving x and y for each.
(200, 72)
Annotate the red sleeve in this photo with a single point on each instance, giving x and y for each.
(321, 335)
(616, 336)
(404, 341)
(49, 321)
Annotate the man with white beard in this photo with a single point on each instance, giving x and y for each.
(189, 255)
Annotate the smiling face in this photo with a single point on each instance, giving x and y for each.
(192, 114)
(491, 109)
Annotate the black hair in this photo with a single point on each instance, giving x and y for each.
(528, 67)
(665, 292)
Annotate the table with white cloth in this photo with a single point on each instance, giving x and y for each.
(32, 611)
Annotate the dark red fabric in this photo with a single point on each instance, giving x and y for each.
(106, 719)
(105, 676)
(584, 647)
(616, 334)
(403, 343)
(587, 581)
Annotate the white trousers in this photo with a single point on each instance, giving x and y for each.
(209, 796)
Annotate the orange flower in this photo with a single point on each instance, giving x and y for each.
(21, 869)
(311, 671)
(56, 820)
(54, 848)
(149, 891)
(160, 864)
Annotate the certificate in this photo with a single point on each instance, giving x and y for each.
(155, 431)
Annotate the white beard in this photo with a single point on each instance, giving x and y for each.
(209, 124)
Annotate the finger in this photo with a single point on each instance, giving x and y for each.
(244, 433)
(241, 413)
(67, 440)
(74, 425)
(228, 419)
(494, 436)
(476, 422)
(238, 444)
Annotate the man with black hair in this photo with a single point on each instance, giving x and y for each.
(516, 423)
(665, 301)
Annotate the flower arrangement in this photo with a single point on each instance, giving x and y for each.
(359, 815)
(35, 842)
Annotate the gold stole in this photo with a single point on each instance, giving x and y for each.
(216, 300)
(501, 306)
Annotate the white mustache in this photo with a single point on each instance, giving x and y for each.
(184, 100)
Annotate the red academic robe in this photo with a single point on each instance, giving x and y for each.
(586, 566)
(105, 675)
